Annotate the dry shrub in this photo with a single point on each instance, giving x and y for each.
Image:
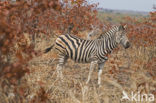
(21, 22)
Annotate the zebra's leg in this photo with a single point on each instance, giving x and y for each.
(62, 61)
(100, 68)
(92, 66)
(59, 72)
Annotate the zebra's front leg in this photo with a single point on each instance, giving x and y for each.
(100, 68)
(92, 66)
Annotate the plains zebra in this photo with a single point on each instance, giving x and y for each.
(89, 51)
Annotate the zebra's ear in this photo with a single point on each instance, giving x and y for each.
(125, 26)
(122, 28)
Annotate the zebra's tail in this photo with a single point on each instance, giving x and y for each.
(48, 49)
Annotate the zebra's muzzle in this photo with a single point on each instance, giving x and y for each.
(127, 45)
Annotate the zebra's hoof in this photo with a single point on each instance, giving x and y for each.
(99, 85)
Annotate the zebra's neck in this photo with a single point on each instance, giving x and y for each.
(109, 41)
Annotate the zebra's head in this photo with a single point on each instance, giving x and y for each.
(121, 37)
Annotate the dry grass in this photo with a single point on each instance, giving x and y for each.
(125, 70)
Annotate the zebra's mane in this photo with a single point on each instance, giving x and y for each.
(112, 30)
(105, 34)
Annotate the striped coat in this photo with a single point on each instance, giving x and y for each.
(89, 51)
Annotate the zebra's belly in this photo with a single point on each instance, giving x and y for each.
(80, 58)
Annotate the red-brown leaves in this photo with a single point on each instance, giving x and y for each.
(143, 33)
(33, 17)
(41, 97)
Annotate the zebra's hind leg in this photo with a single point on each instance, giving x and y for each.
(100, 68)
(92, 66)
(59, 72)
(62, 61)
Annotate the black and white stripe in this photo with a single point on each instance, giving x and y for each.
(89, 51)
(77, 49)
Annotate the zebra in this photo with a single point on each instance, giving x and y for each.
(89, 51)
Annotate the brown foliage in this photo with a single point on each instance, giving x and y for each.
(33, 17)
(143, 33)
(39, 16)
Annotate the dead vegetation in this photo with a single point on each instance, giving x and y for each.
(126, 70)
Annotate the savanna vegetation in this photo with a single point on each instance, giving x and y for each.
(27, 75)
